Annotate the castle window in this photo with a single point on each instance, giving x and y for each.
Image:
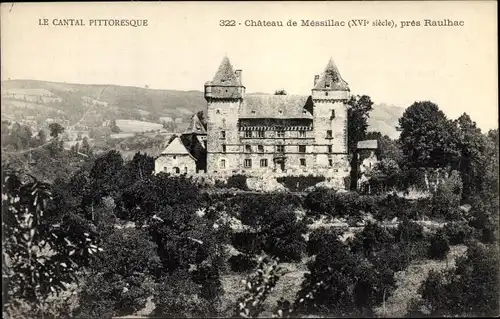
(280, 133)
(302, 162)
(260, 148)
(281, 111)
(302, 134)
(326, 93)
(217, 111)
(248, 163)
(260, 134)
(253, 112)
(185, 169)
(223, 148)
(330, 162)
(222, 163)
(223, 134)
(329, 134)
(263, 162)
(174, 157)
(248, 134)
(248, 148)
(302, 148)
(329, 148)
(333, 115)
(327, 85)
(280, 148)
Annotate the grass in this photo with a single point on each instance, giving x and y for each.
(409, 280)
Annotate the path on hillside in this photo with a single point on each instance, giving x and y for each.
(409, 280)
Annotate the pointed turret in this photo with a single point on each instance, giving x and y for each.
(195, 127)
(226, 83)
(331, 79)
(225, 74)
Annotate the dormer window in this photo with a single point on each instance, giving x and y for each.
(327, 85)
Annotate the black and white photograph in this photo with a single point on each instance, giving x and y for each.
(281, 159)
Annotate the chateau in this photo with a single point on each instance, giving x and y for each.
(257, 134)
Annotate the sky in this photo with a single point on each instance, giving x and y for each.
(183, 45)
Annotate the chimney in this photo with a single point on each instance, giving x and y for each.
(238, 75)
(316, 79)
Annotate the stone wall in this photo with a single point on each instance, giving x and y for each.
(169, 163)
(222, 115)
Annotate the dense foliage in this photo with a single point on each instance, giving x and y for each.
(300, 183)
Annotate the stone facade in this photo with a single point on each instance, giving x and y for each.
(175, 164)
(282, 134)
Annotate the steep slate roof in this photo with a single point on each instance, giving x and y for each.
(331, 76)
(225, 75)
(367, 145)
(269, 106)
(195, 126)
(176, 147)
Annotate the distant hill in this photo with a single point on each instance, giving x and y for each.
(67, 103)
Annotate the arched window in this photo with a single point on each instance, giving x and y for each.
(176, 170)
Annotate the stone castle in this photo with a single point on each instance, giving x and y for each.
(259, 134)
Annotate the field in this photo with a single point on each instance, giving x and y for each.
(133, 126)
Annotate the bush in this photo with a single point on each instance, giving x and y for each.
(468, 290)
(177, 296)
(242, 263)
(300, 183)
(372, 239)
(247, 242)
(439, 246)
(237, 181)
(457, 233)
(332, 203)
(319, 237)
(447, 198)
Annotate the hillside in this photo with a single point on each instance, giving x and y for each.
(67, 103)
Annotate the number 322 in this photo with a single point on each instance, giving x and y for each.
(227, 23)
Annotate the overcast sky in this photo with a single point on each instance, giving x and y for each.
(455, 67)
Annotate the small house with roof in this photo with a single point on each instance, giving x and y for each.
(185, 153)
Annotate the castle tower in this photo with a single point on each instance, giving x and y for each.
(330, 95)
(224, 95)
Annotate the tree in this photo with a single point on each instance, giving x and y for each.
(472, 146)
(85, 149)
(114, 128)
(280, 92)
(55, 129)
(121, 277)
(428, 138)
(470, 289)
(357, 124)
(387, 147)
(40, 257)
(42, 136)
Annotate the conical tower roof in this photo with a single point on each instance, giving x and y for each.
(195, 126)
(331, 79)
(225, 74)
